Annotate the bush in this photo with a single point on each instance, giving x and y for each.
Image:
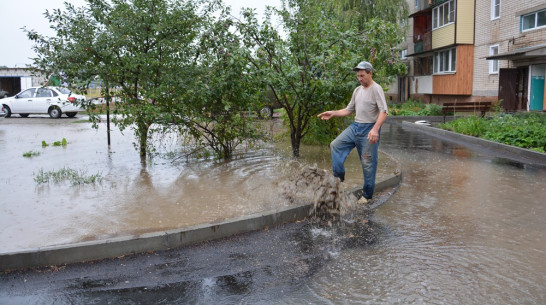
(525, 130)
(415, 108)
(472, 126)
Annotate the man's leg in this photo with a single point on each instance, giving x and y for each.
(340, 149)
(368, 158)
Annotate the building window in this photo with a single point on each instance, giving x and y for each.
(445, 61)
(533, 21)
(495, 9)
(423, 66)
(403, 54)
(494, 64)
(443, 14)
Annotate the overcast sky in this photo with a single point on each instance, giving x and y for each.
(16, 49)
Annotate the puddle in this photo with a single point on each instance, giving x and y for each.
(130, 199)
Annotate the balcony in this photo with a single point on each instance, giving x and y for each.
(422, 42)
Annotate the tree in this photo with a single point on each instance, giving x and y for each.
(308, 62)
(224, 89)
(359, 12)
(144, 50)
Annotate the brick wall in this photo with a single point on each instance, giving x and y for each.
(505, 32)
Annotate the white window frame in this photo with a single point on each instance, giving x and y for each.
(445, 61)
(535, 26)
(494, 5)
(439, 16)
(494, 64)
(403, 54)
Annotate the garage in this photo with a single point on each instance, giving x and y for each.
(14, 80)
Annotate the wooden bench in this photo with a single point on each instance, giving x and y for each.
(481, 107)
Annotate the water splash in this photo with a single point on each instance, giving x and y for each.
(310, 184)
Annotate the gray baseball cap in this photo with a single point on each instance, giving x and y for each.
(364, 65)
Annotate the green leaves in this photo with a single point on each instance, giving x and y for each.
(190, 63)
(414, 108)
(307, 60)
(521, 130)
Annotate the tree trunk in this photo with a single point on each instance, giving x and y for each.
(295, 138)
(143, 139)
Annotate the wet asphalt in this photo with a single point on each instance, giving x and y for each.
(251, 268)
(248, 268)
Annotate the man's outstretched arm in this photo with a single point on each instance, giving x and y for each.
(333, 113)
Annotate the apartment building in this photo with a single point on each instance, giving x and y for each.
(511, 35)
(477, 50)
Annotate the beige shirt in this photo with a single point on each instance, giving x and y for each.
(367, 103)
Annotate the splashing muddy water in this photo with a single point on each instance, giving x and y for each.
(131, 199)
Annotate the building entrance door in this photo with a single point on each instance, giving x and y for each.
(508, 82)
(537, 87)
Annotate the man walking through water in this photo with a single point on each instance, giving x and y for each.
(369, 105)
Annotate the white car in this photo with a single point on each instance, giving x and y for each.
(41, 100)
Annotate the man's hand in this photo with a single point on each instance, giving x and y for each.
(373, 136)
(326, 115)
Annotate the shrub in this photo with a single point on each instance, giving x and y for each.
(525, 130)
(472, 126)
(415, 108)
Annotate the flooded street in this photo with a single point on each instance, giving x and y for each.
(464, 227)
(166, 193)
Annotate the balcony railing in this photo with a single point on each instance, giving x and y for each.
(423, 42)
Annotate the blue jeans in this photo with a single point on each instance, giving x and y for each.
(356, 135)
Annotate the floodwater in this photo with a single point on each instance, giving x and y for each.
(464, 227)
(166, 193)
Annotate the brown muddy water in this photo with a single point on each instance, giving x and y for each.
(465, 227)
(164, 194)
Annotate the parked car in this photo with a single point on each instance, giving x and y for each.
(41, 100)
(2, 112)
(3, 94)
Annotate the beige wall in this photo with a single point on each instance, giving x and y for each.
(443, 37)
(465, 22)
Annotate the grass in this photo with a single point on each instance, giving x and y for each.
(31, 153)
(67, 174)
(525, 130)
(415, 108)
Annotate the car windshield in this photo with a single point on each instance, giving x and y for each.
(64, 90)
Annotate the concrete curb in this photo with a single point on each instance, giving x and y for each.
(156, 241)
(502, 150)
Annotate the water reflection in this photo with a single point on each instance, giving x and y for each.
(463, 228)
(131, 199)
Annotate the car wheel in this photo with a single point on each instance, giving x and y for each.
(266, 112)
(71, 114)
(24, 115)
(55, 112)
(8, 111)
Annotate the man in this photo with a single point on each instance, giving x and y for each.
(368, 102)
